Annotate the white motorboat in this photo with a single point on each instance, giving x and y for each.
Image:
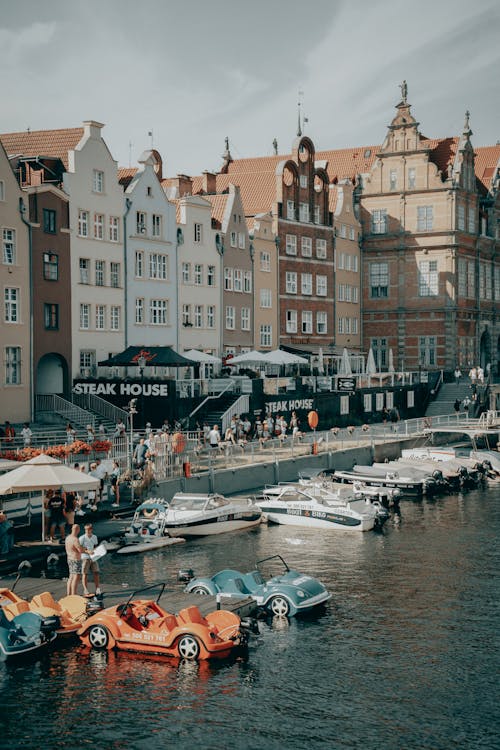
(296, 505)
(148, 528)
(198, 514)
(374, 477)
(327, 479)
(334, 493)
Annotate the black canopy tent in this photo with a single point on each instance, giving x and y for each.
(151, 356)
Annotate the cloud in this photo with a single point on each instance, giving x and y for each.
(16, 44)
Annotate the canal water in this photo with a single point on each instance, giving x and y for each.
(405, 655)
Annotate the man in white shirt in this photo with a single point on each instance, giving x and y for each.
(89, 543)
(26, 435)
(214, 437)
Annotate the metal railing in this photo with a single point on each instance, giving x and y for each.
(240, 406)
(51, 403)
(227, 388)
(109, 412)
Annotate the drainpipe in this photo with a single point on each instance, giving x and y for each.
(178, 242)
(22, 212)
(128, 206)
(219, 244)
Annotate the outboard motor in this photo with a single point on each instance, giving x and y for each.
(49, 625)
(464, 476)
(185, 575)
(94, 605)
(250, 625)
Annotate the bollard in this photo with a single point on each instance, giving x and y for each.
(186, 466)
(314, 449)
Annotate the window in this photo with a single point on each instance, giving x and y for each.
(306, 247)
(321, 322)
(290, 210)
(497, 283)
(157, 225)
(84, 271)
(427, 278)
(304, 211)
(115, 318)
(411, 178)
(49, 221)
(427, 350)
(98, 226)
(100, 267)
(379, 221)
(482, 280)
(149, 191)
(83, 223)
(321, 249)
(291, 244)
(50, 267)
(303, 181)
(341, 261)
(100, 317)
(462, 277)
(265, 298)
(425, 218)
(87, 362)
(198, 316)
(115, 275)
(198, 229)
(343, 231)
(210, 316)
(9, 246)
(139, 264)
(355, 294)
(307, 321)
(84, 317)
(266, 335)
(352, 234)
(380, 349)
(2, 190)
(393, 179)
(379, 280)
(186, 316)
(472, 220)
(140, 221)
(158, 266)
(245, 318)
(238, 280)
(98, 181)
(198, 274)
(291, 321)
(228, 279)
(317, 214)
(211, 276)
(114, 228)
(233, 239)
(321, 286)
(265, 261)
(158, 312)
(51, 316)
(139, 310)
(12, 365)
(461, 217)
(186, 273)
(241, 240)
(291, 282)
(247, 282)
(230, 315)
(306, 284)
(354, 264)
(471, 279)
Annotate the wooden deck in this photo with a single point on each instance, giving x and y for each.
(172, 601)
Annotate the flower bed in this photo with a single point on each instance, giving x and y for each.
(58, 451)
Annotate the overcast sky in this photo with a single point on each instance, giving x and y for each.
(195, 72)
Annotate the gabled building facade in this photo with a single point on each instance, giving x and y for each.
(265, 281)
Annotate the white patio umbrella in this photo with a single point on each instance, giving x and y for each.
(45, 473)
(371, 367)
(345, 364)
(321, 361)
(203, 357)
(247, 358)
(280, 357)
(391, 361)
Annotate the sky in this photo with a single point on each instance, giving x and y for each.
(192, 73)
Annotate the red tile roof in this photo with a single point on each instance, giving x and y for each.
(126, 175)
(55, 143)
(219, 203)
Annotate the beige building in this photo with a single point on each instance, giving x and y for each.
(16, 385)
(265, 262)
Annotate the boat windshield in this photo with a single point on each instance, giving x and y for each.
(188, 502)
(292, 496)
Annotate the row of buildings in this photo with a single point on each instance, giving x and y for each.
(392, 247)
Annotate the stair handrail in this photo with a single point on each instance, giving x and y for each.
(240, 406)
(51, 402)
(104, 408)
(213, 396)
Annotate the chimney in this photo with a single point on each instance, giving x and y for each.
(184, 185)
(92, 129)
(209, 183)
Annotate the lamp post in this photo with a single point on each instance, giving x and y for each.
(141, 363)
(132, 410)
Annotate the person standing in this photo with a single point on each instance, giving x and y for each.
(90, 434)
(88, 543)
(140, 452)
(70, 508)
(456, 406)
(10, 432)
(214, 436)
(26, 435)
(74, 554)
(56, 508)
(70, 434)
(115, 486)
(458, 375)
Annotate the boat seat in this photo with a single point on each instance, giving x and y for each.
(192, 614)
(45, 600)
(16, 608)
(169, 622)
(239, 585)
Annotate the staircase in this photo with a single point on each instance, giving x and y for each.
(445, 399)
(214, 410)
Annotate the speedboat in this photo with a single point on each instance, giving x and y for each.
(296, 505)
(327, 479)
(334, 493)
(374, 477)
(148, 529)
(199, 514)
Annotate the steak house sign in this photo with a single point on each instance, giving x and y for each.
(121, 389)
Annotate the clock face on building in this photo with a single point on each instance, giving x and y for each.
(318, 184)
(288, 176)
(303, 153)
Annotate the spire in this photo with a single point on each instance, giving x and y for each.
(467, 131)
(404, 92)
(226, 156)
(299, 129)
(275, 147)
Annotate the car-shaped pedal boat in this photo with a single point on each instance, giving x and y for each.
(70, 611)
(285, 594)
(24, 633)
(143, 625)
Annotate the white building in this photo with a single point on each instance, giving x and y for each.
(97, 263)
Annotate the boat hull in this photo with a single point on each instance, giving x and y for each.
(210, 526)
(135, 548)
(316, 519)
